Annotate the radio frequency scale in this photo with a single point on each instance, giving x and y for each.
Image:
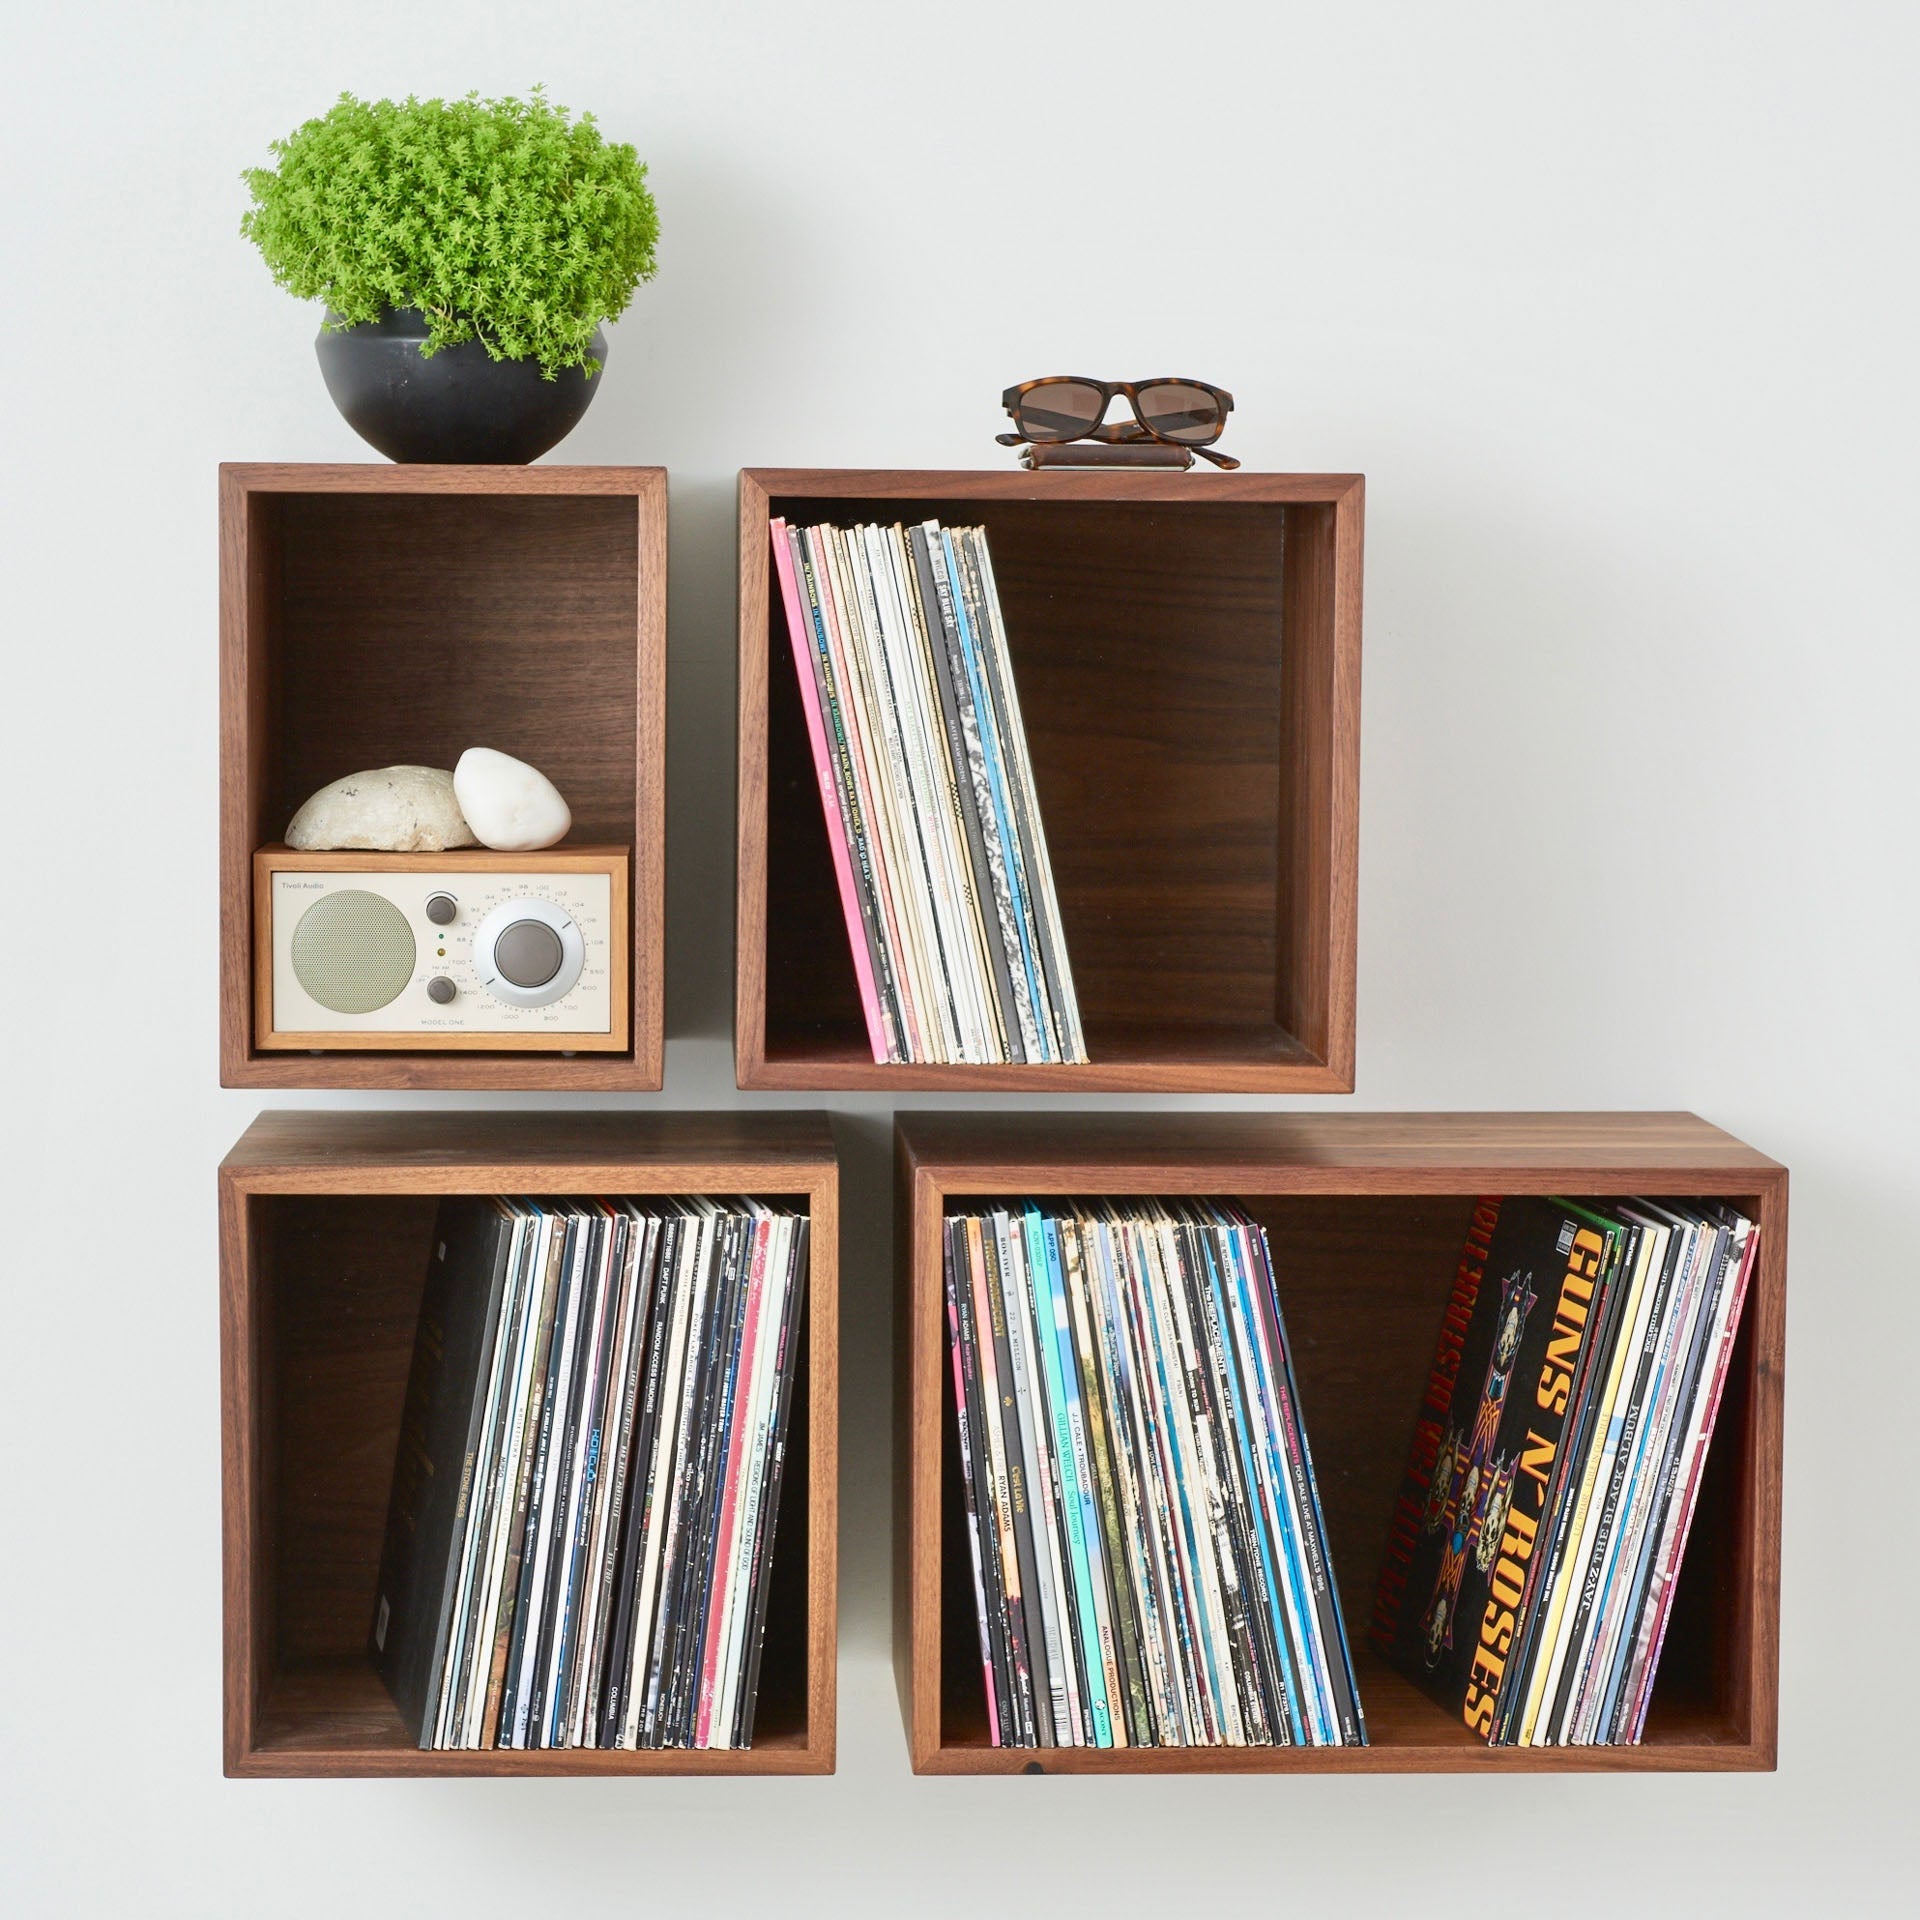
(473, 949)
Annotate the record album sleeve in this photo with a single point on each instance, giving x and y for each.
(440, 1433)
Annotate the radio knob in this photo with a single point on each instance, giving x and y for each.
(440, 990)
(441, 907)
(528, 953)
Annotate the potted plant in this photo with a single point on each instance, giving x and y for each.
(468, 252)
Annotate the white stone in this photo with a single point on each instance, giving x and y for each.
(508, 803)
(388, 809)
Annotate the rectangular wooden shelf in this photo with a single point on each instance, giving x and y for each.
(1366, 1214)
(373, 615)
(1188, 653)
(326, 1223)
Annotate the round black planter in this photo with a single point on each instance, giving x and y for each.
(460, 406)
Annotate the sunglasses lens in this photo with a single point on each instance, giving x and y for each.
(1060, 410)
(1177, 411)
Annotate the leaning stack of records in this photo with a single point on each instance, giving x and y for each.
(1148, 1557)
(1557, 1459)
(588, 1479)
(929, 798)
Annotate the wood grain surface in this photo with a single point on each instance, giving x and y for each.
(383, 615)
(1187, 651)
(1365, 1214)
(326, 1223)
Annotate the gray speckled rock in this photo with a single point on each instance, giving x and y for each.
(388, 809)
(509, 804)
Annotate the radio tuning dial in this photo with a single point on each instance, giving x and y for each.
(528, 952)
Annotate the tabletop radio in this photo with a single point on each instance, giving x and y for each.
(481, 950)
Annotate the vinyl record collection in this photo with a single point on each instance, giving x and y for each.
(928, 792)
(1147, 1546)
(1557, 1459)
(588, 1478)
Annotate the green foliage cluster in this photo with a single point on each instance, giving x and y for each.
(501, 220)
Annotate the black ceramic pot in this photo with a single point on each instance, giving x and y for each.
(461, 406)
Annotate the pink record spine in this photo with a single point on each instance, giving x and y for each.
(1675, 1547)
(724, 1558)
(800, 632)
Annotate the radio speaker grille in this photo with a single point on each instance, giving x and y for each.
(353, 951)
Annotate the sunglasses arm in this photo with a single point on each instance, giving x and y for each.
(1132, 433)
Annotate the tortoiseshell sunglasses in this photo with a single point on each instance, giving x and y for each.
(1183, 413)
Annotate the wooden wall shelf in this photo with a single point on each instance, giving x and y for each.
(379, 614)
(326, 1221)
(1366, 1214)
(1188, 651)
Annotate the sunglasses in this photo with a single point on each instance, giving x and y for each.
(1182, 413)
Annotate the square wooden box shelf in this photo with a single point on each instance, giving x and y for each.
(326, 1224)
(1366, 1215)
(379, 614)
(1188, 653)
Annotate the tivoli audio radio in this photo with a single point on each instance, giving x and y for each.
(486, 951)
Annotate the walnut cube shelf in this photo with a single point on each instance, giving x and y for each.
(1188, 653)
(379, 614)
(326, 1224)
(1366, 1214)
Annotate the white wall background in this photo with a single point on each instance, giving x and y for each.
(1614, 306)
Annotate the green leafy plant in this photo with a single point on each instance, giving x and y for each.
(502, 221)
